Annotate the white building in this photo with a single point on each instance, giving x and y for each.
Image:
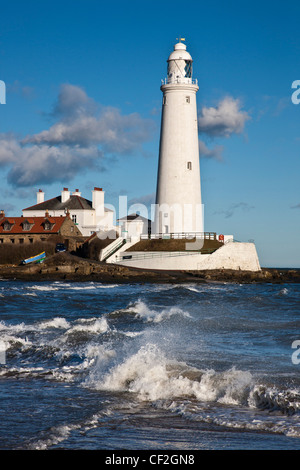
(178, 193)
(89, 216)
(134, 225)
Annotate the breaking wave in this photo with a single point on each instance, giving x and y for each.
(127, 351)
(141, 310)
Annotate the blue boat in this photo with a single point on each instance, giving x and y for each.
(35, 259)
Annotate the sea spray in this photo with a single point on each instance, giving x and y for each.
(138, 366)
(152, 376)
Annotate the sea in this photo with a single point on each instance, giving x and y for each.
(164, 367)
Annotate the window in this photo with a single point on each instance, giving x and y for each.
(21, 240)
(189, 165)
(7, 226)
(188, 68)
(164, 99)
(74, 218)
(30, 240)
(187, 99)
(47, 226)
(12, 240)
(26, 226)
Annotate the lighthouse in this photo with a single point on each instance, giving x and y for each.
(178, 192)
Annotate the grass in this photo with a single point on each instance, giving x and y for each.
(14, 254)
(173, 244)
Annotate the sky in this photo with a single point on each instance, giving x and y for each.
(83, 107)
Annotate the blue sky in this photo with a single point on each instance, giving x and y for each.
(94, 68)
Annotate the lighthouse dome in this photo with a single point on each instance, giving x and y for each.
(179, 65)
(179, 52)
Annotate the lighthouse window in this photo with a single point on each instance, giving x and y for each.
(188, 68)
(187, 99)
(189, 165)
(164, 100)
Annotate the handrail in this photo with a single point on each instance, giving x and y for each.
(231, 240)
(111, 248)
(180, 235)
(185, 80)
(161, 254)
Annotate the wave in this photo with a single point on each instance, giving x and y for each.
(54, 344)
(44, 288)
(54, 286)
(91, 325)
(283, 292)
(141, 310)
(151, 376)
(230, 398)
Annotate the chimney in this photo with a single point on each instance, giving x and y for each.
(98, 201)
(76, 193)
(65, 195)
(40, 196)
(46, 214)
(2, 214)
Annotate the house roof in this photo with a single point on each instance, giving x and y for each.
(134, 217)
(74, 202)
(37, 225)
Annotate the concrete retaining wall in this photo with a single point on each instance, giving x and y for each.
(235, 256)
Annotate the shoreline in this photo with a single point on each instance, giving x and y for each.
(67, 267)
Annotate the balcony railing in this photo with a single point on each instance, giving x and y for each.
(181, 235)
(188, 81)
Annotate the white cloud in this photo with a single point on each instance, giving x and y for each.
(84, 135)
(224, 120)
(84, 123)
(46, 164)
(215, 153)
(146, 200)
(244, 206)
(9, 149)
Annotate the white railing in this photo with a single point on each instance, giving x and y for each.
(181, 235)
(111, 248)
(160, 254)
(189, 81)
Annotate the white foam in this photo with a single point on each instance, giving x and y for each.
(90, 325)
(143, 311)
(44, 288)
(150, 375)
(56, 322)
(283, 291)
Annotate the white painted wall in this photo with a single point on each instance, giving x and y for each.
(236, 256)
(88, 220)
(178, 192)
(133, 228)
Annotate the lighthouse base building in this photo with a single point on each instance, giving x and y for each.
(178, 240)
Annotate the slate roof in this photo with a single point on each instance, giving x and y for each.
(132, 217)
(74, 202)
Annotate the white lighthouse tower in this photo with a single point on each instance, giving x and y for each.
(178, 194)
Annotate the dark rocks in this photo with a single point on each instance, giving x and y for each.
(64, 266)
